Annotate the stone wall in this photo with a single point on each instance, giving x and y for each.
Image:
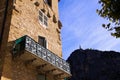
(25, 21)
(16, 69)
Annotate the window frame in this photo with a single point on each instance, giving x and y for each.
(45, 43)
(49, 2)
(43, 21)
(14, 1)
(46, 1)
(41, 77)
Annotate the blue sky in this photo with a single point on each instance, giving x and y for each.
(82, 26)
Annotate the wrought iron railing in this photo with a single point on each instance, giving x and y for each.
(45, 54)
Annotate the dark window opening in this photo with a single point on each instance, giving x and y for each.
(41, 77)
(14, 1)
(42, 41)
(49, 2)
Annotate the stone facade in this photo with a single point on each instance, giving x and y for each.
(24, 20)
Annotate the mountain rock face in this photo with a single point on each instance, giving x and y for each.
(94, 65)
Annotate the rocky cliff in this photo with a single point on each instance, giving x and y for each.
(94, 65)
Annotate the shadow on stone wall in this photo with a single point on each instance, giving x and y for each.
(6, 7)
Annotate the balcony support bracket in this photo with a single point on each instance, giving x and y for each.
(30, 61)
(41, 66)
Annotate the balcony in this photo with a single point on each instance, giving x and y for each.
(41, 58)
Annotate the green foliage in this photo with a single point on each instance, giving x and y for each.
(111, 11)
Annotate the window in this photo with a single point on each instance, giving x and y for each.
(14, 1)
(46, 1)
(43, 19)
(49, 2)
(41, 77)
(42, 41)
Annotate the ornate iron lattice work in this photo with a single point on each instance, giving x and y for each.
(45, 54)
